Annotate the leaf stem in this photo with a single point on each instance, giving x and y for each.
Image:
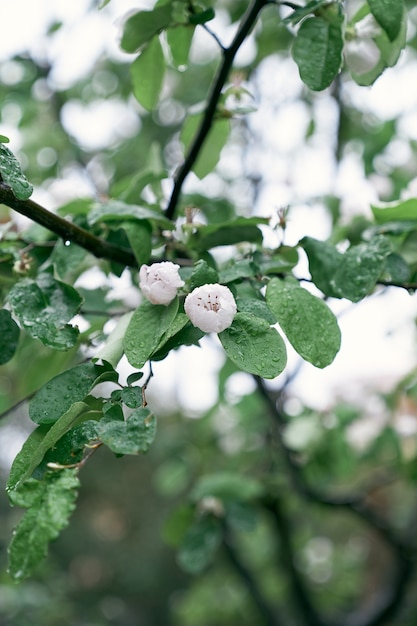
(229, 54)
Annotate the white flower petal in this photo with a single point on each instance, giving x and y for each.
(159, 282)
(211, 307)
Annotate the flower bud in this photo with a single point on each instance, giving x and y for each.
(211, 307)
(159, 282)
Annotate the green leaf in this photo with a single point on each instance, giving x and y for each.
(317, 50)
(228, 233)
(203, 16)
(307, 321)
(139, 234)
(142, 26)
(4, 139)
(299, 13)
(351, 275)
(117, 211)
(30, 456)
(12, 175)
(179, 40)
(255, 347)
(112, 351)
(133, 436)
(256, 307)
(405, 211)
(202, 274)
(44, 307)
(236, 270)
(227, 486)
(361, 267)
(388, 14)
(69, 387)
(50, 507)
(146, 329)
(132, 397)
(215, 141)
(200, 544)
(9, 336)
(147, 73)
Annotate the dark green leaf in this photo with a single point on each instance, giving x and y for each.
(44, 307)
(317, 50)
(351, 275)
(203, 16)
(202, 274)
(228, 233)
(147, 73)
(132, 436)
(146, 329)
(30, 456)
(307, 321)
(141, 27)
(200, 544)
(254, 346)
(256, 307)
(12, 175)
(9, 336)
(236, 270)
(50, 507)
(61, 392)
(388, 14)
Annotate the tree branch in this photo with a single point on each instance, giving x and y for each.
(67, 230)
(269, 617)
(229, 54)
(388, 599)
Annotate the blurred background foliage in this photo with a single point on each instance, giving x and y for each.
(110, 567)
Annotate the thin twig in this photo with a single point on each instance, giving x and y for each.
(229, 54)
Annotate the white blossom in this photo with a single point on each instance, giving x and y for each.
(211, 307)
(159, 282)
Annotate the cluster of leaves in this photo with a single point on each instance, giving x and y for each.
(275, 310)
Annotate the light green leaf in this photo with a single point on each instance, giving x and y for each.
(44, 307)
(179, 40)
(299, 13)
(139, 234)
(200, 544)
(133, 436)
(69, 387)
(112, 351)
(12, 175)
(142, 26)
(213, 145)
(388, 14)
(146, 329)
(147, 73)
(227, 486)
(255, 347)
(405, 211)
(9, 336)
(307, 321)
(51, 504)
(22, 461)
(317, 50)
